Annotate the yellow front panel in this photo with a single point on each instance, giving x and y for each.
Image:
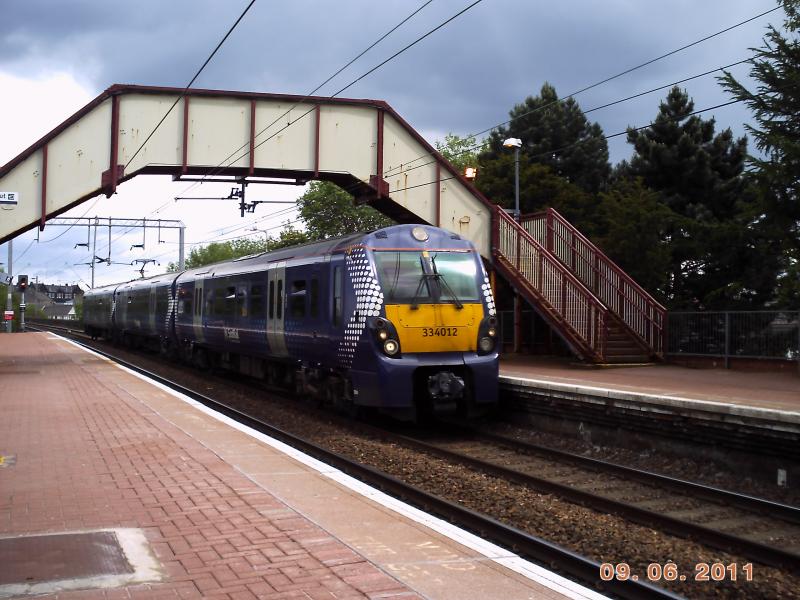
(436, 327)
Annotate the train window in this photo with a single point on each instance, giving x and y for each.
(257, 301)
(185, 304)
(241, 300)
(271, 299)
(219, 301)
(313, 298)
(337, 296)
(297, 299)
(162, 303)
(403, 276)
(279, 300)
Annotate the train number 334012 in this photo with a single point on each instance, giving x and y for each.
(439, 331)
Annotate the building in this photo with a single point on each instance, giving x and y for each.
(60, 294)
(60, 312)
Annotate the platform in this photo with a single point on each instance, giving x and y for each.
(174, 501)
(769, 396)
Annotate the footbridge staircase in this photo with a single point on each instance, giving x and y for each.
(362, 145)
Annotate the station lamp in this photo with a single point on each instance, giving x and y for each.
(515, 143)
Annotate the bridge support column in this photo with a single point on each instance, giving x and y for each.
(517, 323)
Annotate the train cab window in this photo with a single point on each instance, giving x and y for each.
(257, 301)
(313, 298)
(271, 299)
(337, 296)
(297, 299)
(279, 300)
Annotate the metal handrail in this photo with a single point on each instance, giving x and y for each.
(640, 312)
(583, 314)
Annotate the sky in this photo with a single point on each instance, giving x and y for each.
(56, 55)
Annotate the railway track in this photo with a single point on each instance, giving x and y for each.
(761, 530)
(578, 567)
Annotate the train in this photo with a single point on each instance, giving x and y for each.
(400, 320)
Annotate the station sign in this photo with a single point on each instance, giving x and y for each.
(9, 198)
(8, 315)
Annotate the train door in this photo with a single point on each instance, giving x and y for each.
(197, 309)
(152, 312)
(276, 294)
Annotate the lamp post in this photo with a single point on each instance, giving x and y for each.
(515, 143)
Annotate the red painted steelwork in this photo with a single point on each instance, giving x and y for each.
(110, 178)
(543, 280)
(44, 188)
(185, 149)
(639, 312)
(438, 194)
(379, 146)
(318, 117)
(252, 137)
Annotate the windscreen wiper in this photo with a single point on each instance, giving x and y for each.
(443, 282)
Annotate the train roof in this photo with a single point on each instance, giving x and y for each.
(393, 237)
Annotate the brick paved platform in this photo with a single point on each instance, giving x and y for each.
(87, 446)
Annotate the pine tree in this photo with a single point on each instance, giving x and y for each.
(776, 107)
(557, 134)
(699, 175)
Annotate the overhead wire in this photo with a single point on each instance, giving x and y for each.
(188, 85)
(593, 109)
(369, 72)
(217, 169)
(311, 93)
(610, 136)
(183, 94)
(353, 82)
(605, 80)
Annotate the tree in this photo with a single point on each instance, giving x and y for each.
(540, 188)
(461, 152)
(557, 134)
(632, 225)
(328, 211)
(776, 107)
(220, 251)
(700, 178)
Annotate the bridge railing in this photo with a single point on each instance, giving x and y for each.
(581, 317)
(644, 315)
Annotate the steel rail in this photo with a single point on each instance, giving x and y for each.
(786, 512)
(583, 569)
(755, 551)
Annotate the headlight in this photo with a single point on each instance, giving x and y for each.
(391, 347)
(486, 344)
(492, 332)
(383, 335)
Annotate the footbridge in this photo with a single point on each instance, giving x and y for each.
(363, 146)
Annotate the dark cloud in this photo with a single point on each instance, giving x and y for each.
(463, 78)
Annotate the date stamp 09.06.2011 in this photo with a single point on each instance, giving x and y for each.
(671, 572)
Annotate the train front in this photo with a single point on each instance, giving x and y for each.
(431, 321)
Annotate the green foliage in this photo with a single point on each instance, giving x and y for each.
(699, 176)
(557, 134)
(461, 152)
(328, 211)
(632, 225)
(221, 251)
(776, 107)
(540, 188)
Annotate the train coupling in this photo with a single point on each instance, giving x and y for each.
(445, 389)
